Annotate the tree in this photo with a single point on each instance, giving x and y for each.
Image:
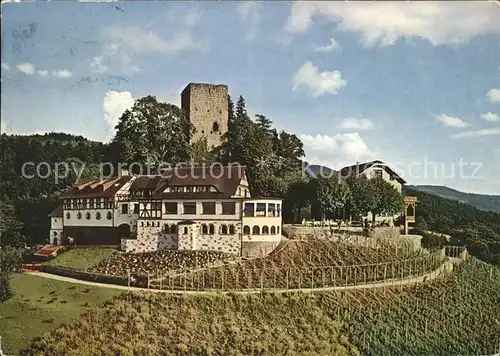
(331, 195)
(299, 196)
(362, 198)
(388, 200)
(153, 132)
(10, 257)
(200, 153)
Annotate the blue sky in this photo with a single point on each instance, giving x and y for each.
(414, 84)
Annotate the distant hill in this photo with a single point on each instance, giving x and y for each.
(480, 201)
(314, 169)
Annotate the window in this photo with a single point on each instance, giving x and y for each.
(98, 216)
(224, 229)
(231, 230)
(211, 229)
(271, 209)
(260, 209)
(109, 215)
(85, 203)
(278, 230)
(79, 216)
(256, 230)
(273, 230)
(278, 210)
(215, 127)
(68, 216)
(228, 208)
(124, 208)
(136, 208)
(246, 230)
(204, 229)
(249, 209)
(208, 208)
(378, 174)
(265, 230)
(190, 208)
(91, 203)
(189, 189)
(185, 230)
(171, 208)
(87, 216)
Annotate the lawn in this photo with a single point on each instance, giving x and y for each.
(40, 305)
(82, 258)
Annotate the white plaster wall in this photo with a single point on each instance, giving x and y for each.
(261, 238)
(56, 223)
(129, 218)
(73, 221)
(52, 237)
(150, 238)
(370, 173)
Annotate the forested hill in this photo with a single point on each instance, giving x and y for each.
(480, 201)
(479, 230)
(26, 202)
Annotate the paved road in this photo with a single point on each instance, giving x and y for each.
(444, 268)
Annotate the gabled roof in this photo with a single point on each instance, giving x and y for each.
(225, 180)
(361, 167)
(96, 188)
(57, 212)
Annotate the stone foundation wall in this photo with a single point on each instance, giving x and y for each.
(376, 238)
(149, 238)
(257, 249)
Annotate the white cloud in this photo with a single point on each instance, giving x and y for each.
(250, 11)
(356, 124)
(440, 22)
(139, 40)
(43, 73)
(494, 95)
(5, 66)
(26, 68)
(319, 82)
(477, 133)
(333, 46)
(337, 150)
(489, 116)
(62, 73)
(114, 105)
(452, 121)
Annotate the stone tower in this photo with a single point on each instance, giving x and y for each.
(206, 108)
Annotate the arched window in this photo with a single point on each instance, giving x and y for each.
(87, 216)
(246, 230)
(215, 127)
(109, 215)
(278, 230)
(256, 230)
(98, 216)
(68, 216)
(265, 230)
(224, 229)
(147, 223)
(142, 223)
(231, 230)
(79, 216)
(273, 230)
(158, 224)
(185, 230)
(166, 229)
(204, 229)
(211, 229)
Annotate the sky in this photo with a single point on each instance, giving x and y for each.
(415, 84)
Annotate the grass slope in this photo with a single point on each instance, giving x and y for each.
(40, 305)
(82, 258)
(456, 315)
(218, 325)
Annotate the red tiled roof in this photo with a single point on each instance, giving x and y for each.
(97, 188)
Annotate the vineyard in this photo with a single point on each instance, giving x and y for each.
(458, 314)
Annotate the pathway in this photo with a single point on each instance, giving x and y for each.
(444, 268)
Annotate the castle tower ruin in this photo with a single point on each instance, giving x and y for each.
(206, 107)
